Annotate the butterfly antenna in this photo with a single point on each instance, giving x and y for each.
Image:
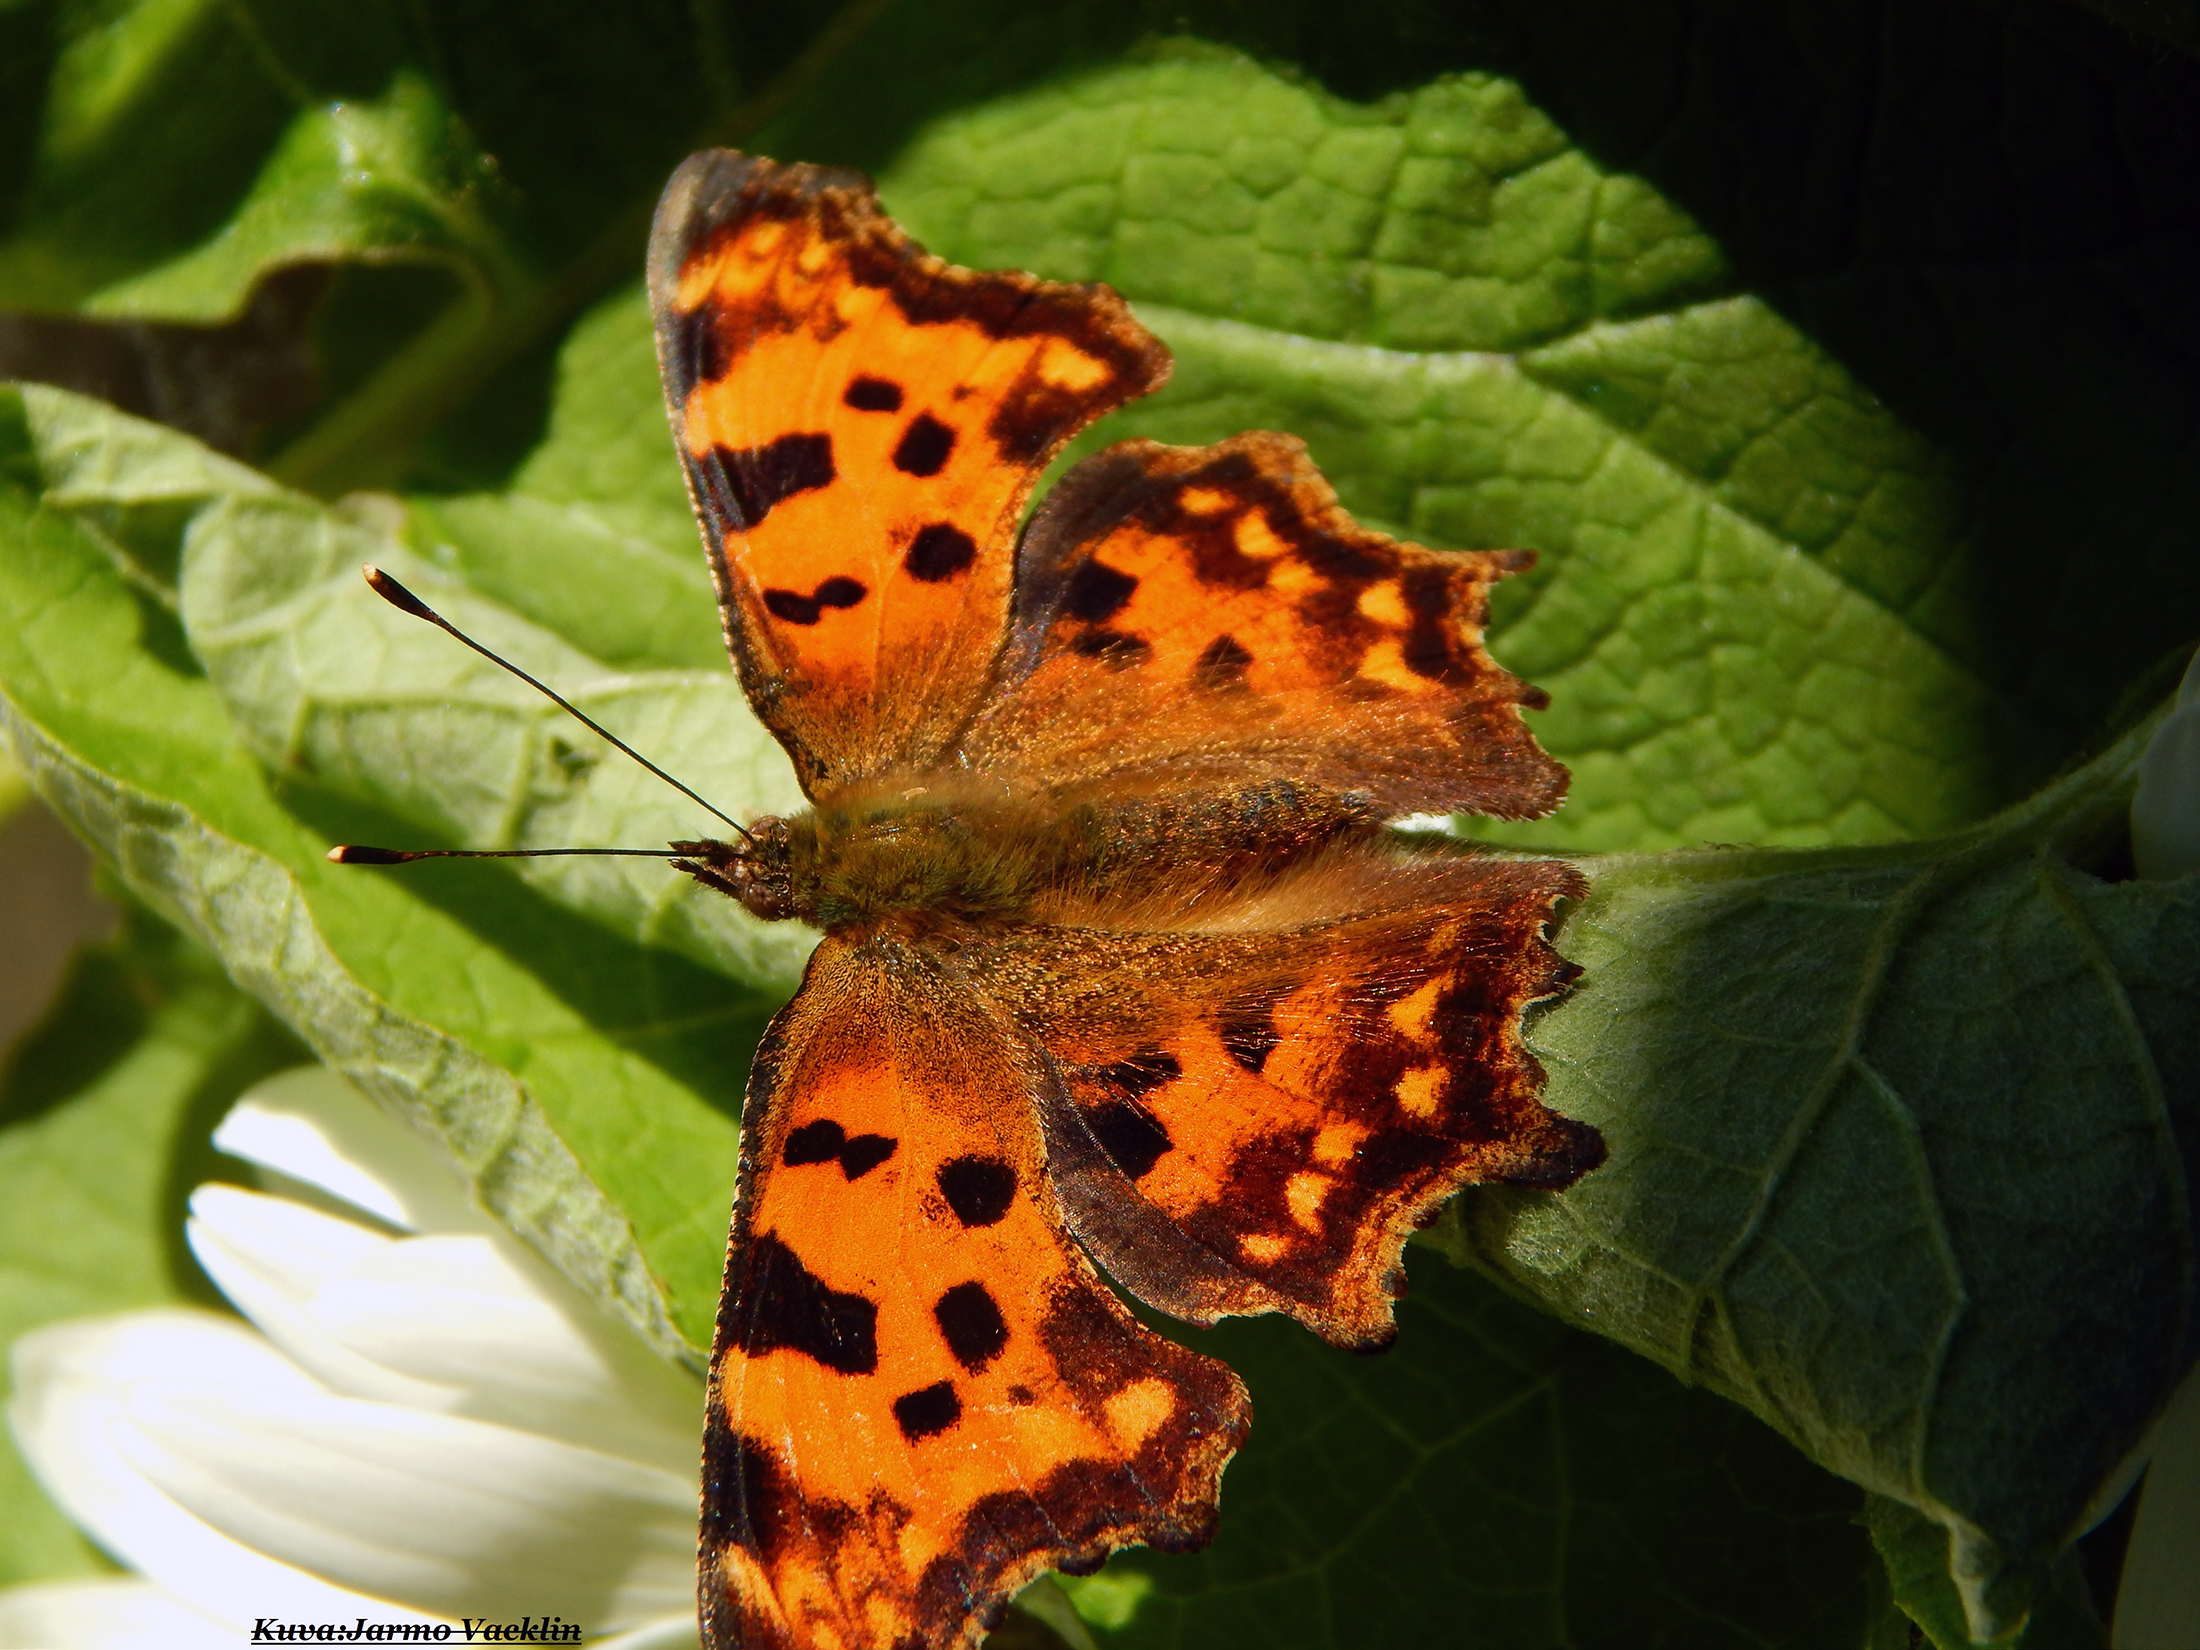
(353, 854)
(405, 601)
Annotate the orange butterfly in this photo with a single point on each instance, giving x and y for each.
(1118, 959)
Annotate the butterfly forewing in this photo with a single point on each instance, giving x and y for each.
(922, 1394)
(1208, 617)
(861, 425)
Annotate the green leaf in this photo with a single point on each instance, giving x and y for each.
(1903, 1140)
(1915, 1552)
(324, 679)
(104, 1115)
(1758, 614)
(170, 155)
(185, 147)
(1494, 1480)
(14, 790)
(561, 1070)
(392, 174)
(594, 512)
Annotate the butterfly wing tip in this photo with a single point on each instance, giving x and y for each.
(1561, 1153)
(705, 176)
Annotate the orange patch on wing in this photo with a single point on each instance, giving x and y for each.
(1420, 1090)
(1411, 1014)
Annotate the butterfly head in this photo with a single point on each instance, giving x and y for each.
(755, 871)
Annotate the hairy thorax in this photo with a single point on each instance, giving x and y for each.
(916, 863)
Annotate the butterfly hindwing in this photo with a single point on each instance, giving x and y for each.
(1210, 618)
(861, 425)
(922, 1395)
(1278, 1100)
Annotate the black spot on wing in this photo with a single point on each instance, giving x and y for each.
(972, 1322)
(1427, 649)
(1035, 415)
(1074, 1501)
(978, 1189)
(939, 551)
(710, 357)
(924, 446)
(745, 1495)
(783, 1304)
(760, 477)
(1097, 592)
(1249, 1034)
(1142, 1073)
(864, 1153)
(1117, 649)
(825, 1141)
(1128, 1133)
(698, 354)
(1334, 559)
(927, 1411)
(818, 1142)
(1392, 1155)
(793, 607)
(1221, 664)
(868, 394)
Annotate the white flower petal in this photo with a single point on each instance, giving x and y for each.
(75, 1387)
(455, 1426)
(111, 1613)
(312, 1127)
(523, 1345)
(454, 1516)
(274, 1259)
(469, 1324)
